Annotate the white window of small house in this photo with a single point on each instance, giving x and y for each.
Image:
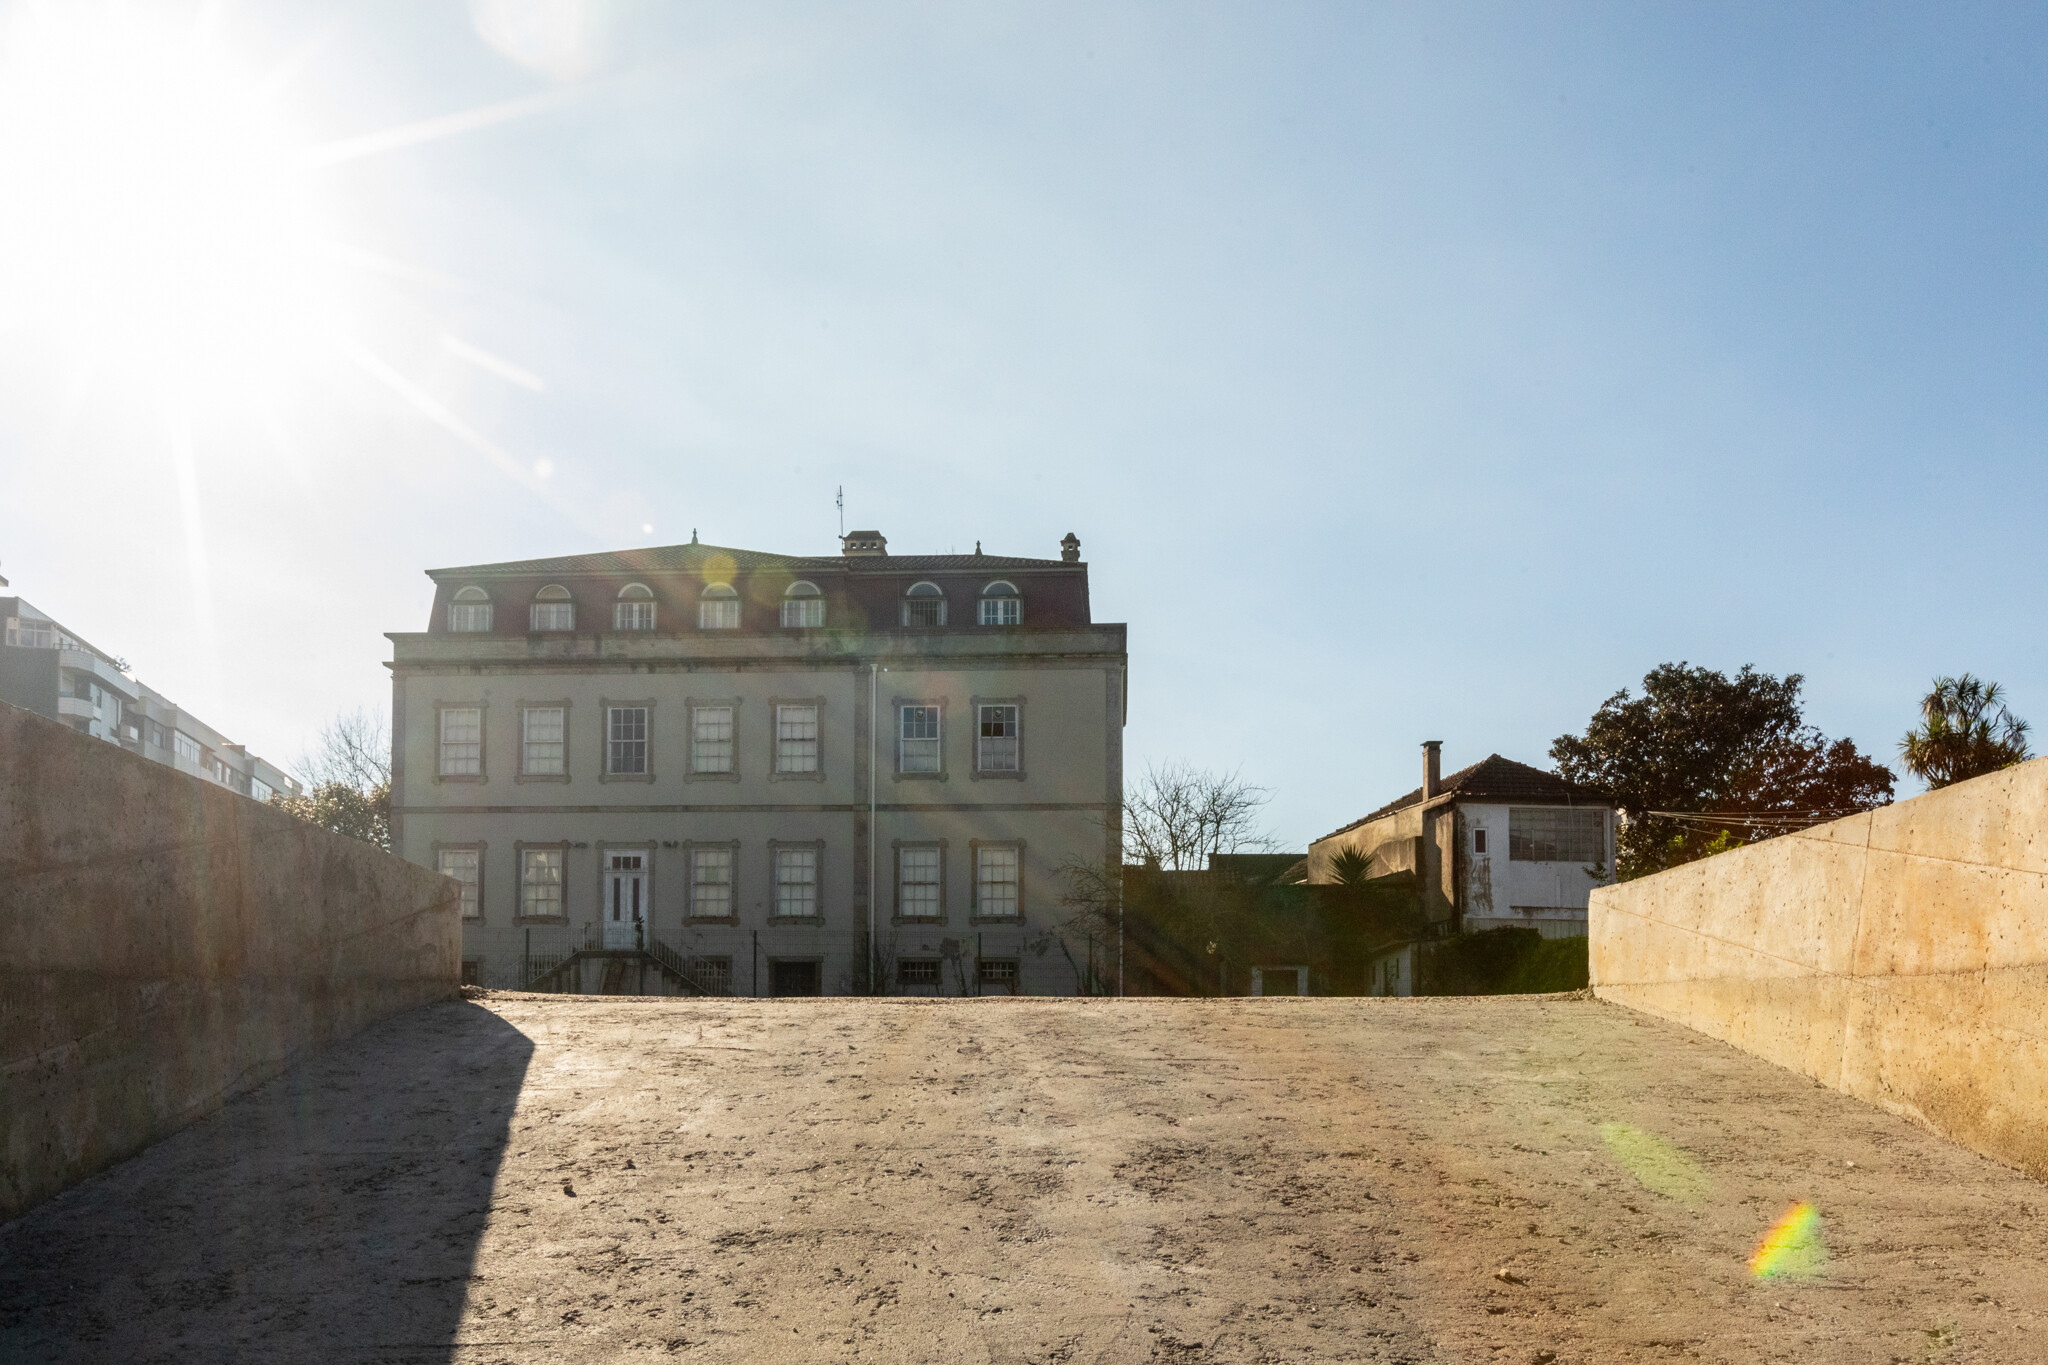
(796, 739)
(626, 740)
(803, 606)
(924, 605)
(719, 608)
(1001, 606)
(796, 881)
(552, 609)
(996, 740)
(461, 864)
(541, 741)
(1556, 834)
(711, 883)
(918, 742)
(462, 741)
(540, 882)
(471, 610)
(635, 608)
(711, 739)
(917, 883)
(995, 882)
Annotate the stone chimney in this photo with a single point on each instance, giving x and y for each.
(1070, 548)
(872, 544)
(1432, 767)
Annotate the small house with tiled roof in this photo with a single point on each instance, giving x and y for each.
(1494, 844)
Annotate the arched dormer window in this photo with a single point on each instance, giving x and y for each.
(803, 605)
(719, 608)
(635, 608)
(553, 609)
(924, 605)
(471, 609)
(1001, 605)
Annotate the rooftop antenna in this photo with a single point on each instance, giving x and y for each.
(841, 500)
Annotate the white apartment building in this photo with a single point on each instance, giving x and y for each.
(53, 671)
(778, 775)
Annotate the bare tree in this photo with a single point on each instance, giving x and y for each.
(348, 780)
(1177, 817)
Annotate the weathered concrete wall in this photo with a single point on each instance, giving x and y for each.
(1900, 956)
(165, 943)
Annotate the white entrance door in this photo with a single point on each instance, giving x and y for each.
(625, 898)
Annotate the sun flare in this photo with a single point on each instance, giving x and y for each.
(158, 216)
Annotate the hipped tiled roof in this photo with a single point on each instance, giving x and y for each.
(1492, 778)
(693, 557)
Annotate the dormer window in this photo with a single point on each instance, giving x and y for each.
(553, 609)
(635, 608)
(924, 605)
(719, 609)
(471, 609)
(803, 605)
(1001, 605)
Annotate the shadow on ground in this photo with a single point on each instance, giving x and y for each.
(332, 1214)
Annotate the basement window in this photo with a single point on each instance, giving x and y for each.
(998, 976)
(920, 971)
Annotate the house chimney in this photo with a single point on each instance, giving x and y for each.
(1070, 548)
(872, 544)
(1432, 767)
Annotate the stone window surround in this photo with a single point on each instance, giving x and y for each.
(481, 849)
(896, 705)
(815, 920)
(604, 753)
(690, 915)
(690, 708)
(896, 847)
(483, 741)
(519, 773)
(974, 848)
(775, 704)
(519, 848)
(974, 772)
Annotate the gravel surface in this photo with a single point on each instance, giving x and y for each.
(1521, 1180)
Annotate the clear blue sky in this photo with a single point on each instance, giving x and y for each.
(1407, 372)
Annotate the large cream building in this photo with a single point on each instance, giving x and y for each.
(740, 762)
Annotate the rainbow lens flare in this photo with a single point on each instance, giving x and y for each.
(1792, 1248)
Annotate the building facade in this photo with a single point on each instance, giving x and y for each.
(1497, 844)
(55, 672)
(785, 775)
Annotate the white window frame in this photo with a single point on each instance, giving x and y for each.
(614, 711)
(928, 857)
(185, 747)
(1002, 609)
(551, 614)
(460, 757)
(634, 615)
(705, 749)
(797, 881)
(935, 755)
(713, 885)
(540, 869)
(988, 857)
(798, 745)
(805, 610)
(450, 860)
(532, 748)
(469, 615)
(989, 751)
(718, 610)
(937, 597)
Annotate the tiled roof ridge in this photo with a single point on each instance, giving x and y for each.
(1467, 781)
(684, 558)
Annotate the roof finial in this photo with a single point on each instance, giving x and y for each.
(977, 547)
(693, 535)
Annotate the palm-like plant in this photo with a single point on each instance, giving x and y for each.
(1965, 731)
(1351, 867)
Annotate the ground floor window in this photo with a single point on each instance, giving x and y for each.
(998, 976)
(711, 883)
(711, 975)
(796, 881)
(462, 865)
(995, 882)
(804, 977)
(917, 883)
(540, 883)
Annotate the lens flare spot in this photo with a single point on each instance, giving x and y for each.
(1656, 1164)
(1792, 1248)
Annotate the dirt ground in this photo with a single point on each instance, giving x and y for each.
(1518, 1180)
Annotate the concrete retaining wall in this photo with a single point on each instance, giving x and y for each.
(165, 943)
(1899, 956)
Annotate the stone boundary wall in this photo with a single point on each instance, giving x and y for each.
(1900, 956)
(165, 943)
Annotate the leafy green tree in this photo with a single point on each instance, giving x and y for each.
(1965, 731)
(1701, 743)
(337, 806)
